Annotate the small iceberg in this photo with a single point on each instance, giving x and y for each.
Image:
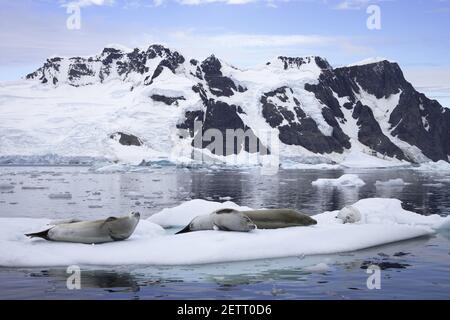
(391, 183)
(439, 166)
(378, 222)
(347, 180)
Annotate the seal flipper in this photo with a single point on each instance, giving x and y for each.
(184, 230)
(42, 234)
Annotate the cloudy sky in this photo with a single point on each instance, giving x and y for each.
(415, 33)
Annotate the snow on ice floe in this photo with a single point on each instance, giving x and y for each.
(184, 213)
(347, 180)
(382, 221)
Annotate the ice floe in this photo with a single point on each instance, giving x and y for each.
(391, 182)
(439, 166)
(381, 221)
(347, 180)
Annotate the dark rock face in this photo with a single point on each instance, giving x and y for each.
(423, 123)
(222, 120)
(217, 83)
(417, 120)
(136, 63)
(297, 62)
(371, 135)
(127, 139)
(82, 70)
(299, 129)
(50, 64)
(78, 68)
(384, 79)
(167, 100)
(381, 79)
(171, 61)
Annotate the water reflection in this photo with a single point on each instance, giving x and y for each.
(424, 261)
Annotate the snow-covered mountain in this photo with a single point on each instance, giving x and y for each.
(131, 106)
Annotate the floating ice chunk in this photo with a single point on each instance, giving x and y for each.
(439, 166)
(225, 198)
(65, 195)
(347, 180)
(318, 268)
(434, 185)
(391, 182)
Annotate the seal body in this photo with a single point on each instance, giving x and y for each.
(99, 231)
(244, 221)
(349, 214)
(232, 220)
(225, 220)
(279, 218)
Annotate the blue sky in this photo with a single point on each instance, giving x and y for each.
(415, 33)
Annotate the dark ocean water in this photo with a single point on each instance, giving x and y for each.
(415, 269)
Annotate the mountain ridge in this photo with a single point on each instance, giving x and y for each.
(315, 109)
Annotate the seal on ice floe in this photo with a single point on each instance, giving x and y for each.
(349, 214)
(225, 220)
(229, 219)
(279, 218)
(99, 231)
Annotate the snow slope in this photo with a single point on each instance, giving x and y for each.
(69, 108)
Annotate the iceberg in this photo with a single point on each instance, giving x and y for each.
(347, 180)
(382, 221)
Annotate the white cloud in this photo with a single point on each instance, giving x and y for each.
(352, 4)
(247, 50)
(198, 2)
(270, 3)
(258, 40)
(87, 3)
(356, 4)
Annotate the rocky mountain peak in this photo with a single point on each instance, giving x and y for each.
(211, 66)
(382, 78)
(297, 62)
